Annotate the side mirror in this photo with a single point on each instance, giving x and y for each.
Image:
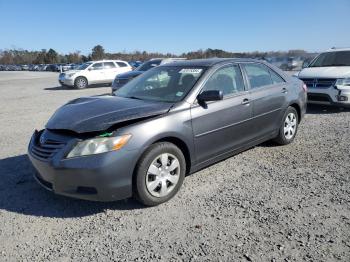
(305, 64)
(210, 95)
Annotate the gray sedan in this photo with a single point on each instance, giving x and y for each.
(171, 121)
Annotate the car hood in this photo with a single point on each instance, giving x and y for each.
(130, 74)
(91, 114)
(72, 71)
(325, 72)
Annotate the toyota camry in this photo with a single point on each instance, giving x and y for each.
(169, 122)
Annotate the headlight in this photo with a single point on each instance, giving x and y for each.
(343, 83)
(70, 75)
(98, 145)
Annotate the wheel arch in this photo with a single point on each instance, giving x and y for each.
(182, 146)
(296, 106)
(180, 143)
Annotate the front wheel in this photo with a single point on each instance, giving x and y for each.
(289, 127)
(159, 174)
(80, 82)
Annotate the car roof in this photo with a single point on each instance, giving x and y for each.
(101, 61)
(337, 49)
(210, 61)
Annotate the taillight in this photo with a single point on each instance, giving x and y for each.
(305, 87)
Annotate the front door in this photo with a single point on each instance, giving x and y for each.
(224, 125)
(96, 74)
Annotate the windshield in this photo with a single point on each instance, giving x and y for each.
(148, 65)
(83, 66)
(163, 84)
(340, 58)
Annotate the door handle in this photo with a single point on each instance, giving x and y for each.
(284, 90)
(245, 101)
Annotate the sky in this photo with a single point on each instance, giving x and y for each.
(174, 26)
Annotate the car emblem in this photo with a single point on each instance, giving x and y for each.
(314, 83)
(42, 140)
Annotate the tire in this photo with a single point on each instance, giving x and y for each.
(80, 82)
(289, 127)
(154, 181)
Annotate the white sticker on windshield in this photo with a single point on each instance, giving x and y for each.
(191, 70)
(179, 93)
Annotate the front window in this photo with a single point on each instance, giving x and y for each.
(163, 84)
(228, 79)
(83, 66)
(339, 58)
(97, 66)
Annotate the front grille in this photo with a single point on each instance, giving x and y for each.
(318, 97)
(319, 82)
(47, 149)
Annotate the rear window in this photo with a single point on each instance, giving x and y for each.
(148, 65)
(109, 65)
(121, 64)
(258, 75)
(276, 78)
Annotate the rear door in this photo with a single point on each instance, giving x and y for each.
(111, 71)
(268, 92)
(221, 126)
(123, 67)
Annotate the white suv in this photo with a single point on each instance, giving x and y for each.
(328, 78)
(94, 72)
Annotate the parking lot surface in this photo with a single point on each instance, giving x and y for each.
(270, 203)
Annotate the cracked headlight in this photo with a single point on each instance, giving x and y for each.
(98, 145)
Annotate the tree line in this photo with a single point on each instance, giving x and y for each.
(20, 56)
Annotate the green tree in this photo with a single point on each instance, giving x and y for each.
(40, 58)
(98, 53)
(51, 57)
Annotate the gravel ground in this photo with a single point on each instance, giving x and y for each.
(269, 203)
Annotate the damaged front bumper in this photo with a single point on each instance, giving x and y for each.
(100, 177)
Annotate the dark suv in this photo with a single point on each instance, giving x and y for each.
(122, 79)
(171, 121)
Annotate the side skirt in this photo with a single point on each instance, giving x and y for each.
(232, 152)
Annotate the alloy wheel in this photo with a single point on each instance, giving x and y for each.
(81, 83)
(290, 126)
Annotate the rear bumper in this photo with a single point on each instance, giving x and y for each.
(329, 96)
(102, 177)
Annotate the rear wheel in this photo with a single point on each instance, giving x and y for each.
(159, 174)
(80, 82)
(289, 127)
